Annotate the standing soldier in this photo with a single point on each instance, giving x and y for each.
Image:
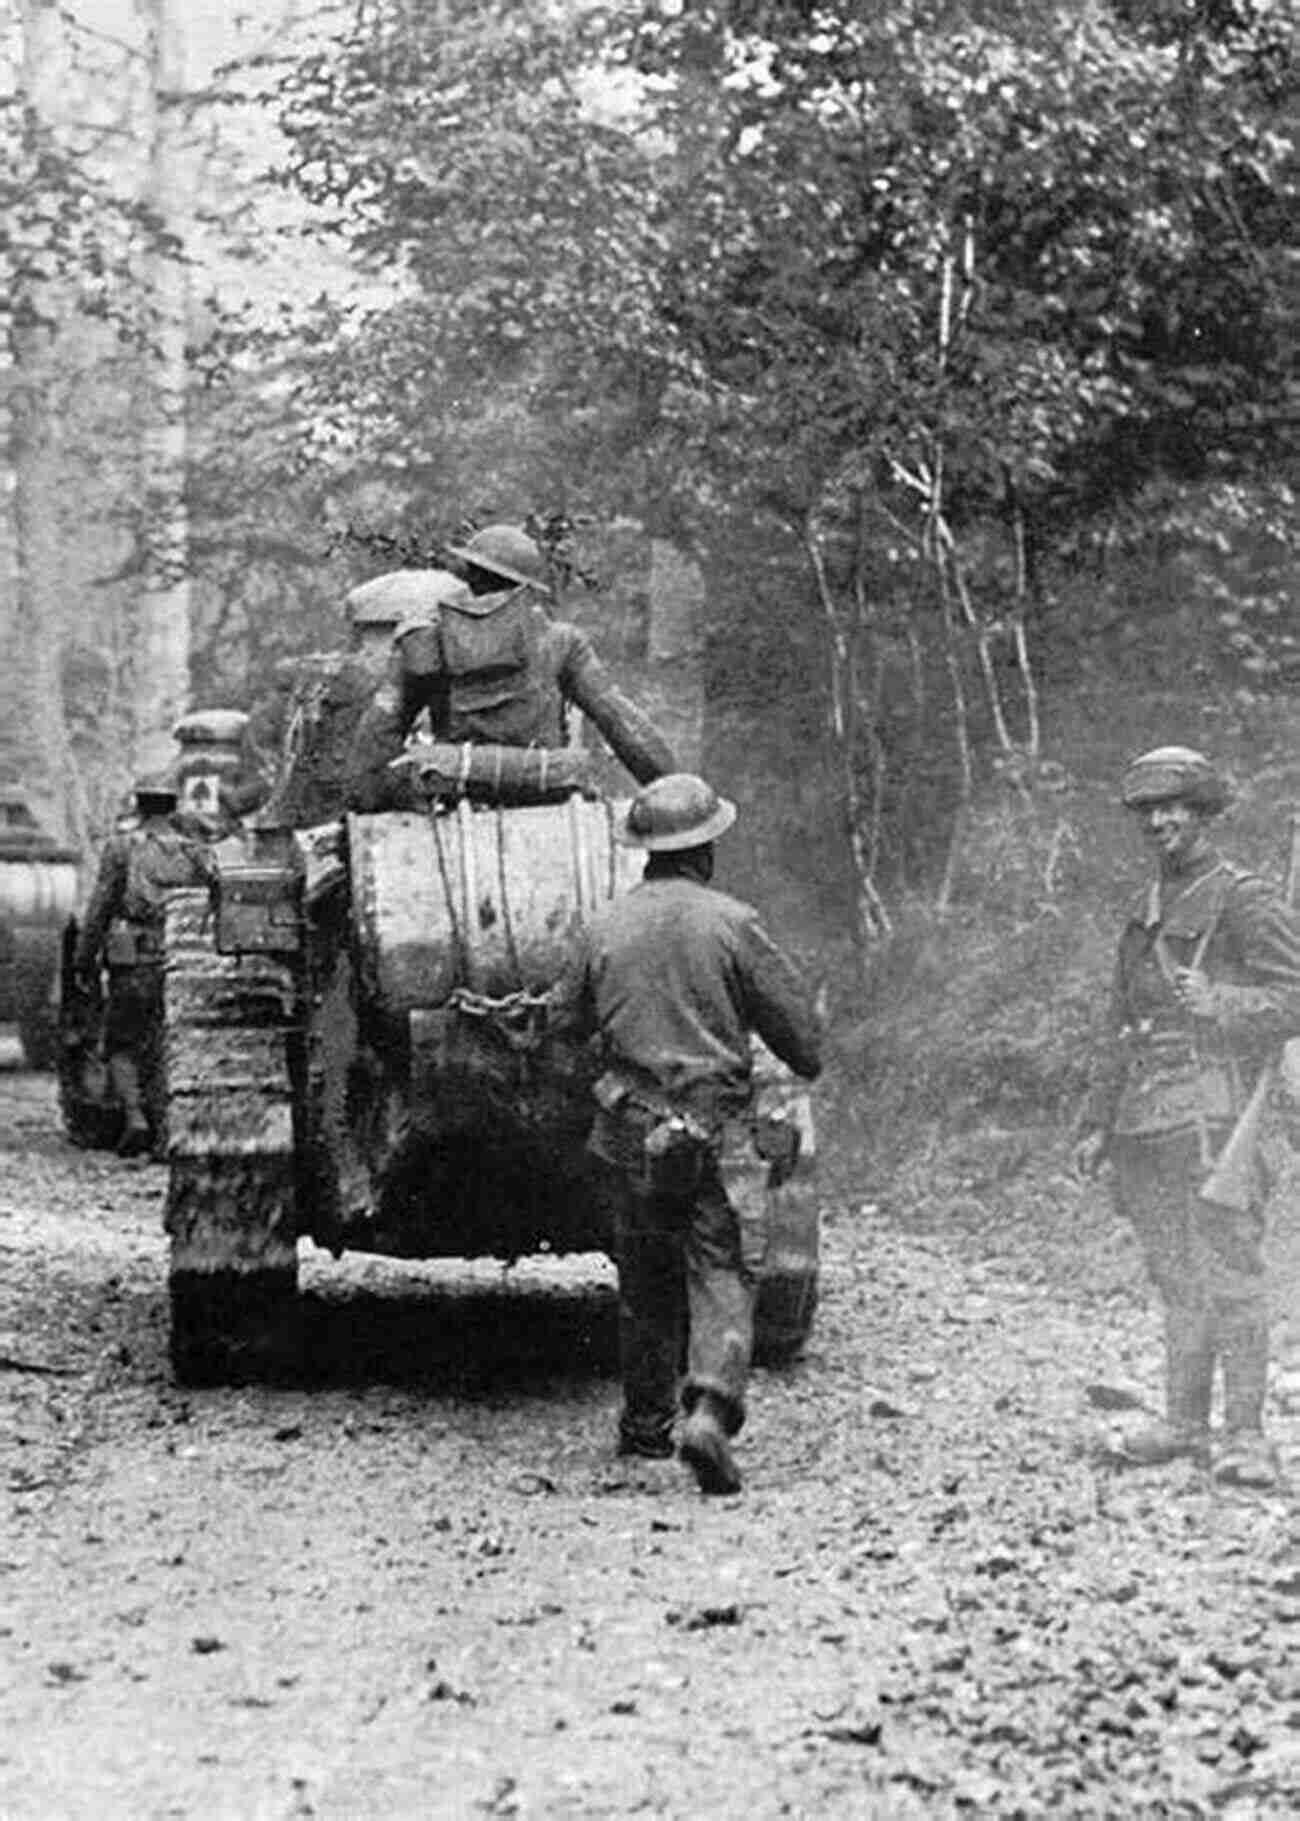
(1206, 991)
(123, 930)
(673, 979)
(493, 667)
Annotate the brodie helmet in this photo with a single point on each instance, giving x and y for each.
(675, 812)
(507, 551)
(1175, 772)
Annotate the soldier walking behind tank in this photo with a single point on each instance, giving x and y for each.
(492, 666)
(123, 930)
(1206, 990)
(673, 977)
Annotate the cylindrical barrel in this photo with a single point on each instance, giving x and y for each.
(487, 898)
(36, 890)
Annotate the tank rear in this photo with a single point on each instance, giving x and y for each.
(444, 1118)
(359, 1054)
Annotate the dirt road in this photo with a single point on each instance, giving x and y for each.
(425, 1586)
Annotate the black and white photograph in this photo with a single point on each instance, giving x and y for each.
(649, 910)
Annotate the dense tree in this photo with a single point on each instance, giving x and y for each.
(932, 286)
(161, 611)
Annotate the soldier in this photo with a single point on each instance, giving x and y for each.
(1206, 990)
(326, 694)
(673, 978)
(123, 930)
(493, 667)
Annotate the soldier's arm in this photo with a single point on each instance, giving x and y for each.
(380, 737)
(1108, 1065)
(1266, 936)
(631, 733)
(775, 1001)
(103, 905)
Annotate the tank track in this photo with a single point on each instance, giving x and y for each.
(231, 1219)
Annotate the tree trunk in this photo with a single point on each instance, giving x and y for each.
(10, 77)
(35, 726)
(161, 642)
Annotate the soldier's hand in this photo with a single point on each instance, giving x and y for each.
(1088, 1154)
(1195, 992)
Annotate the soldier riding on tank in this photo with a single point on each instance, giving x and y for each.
(495, 674)
(327, 693)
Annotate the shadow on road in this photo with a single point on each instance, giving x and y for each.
(470, 1341)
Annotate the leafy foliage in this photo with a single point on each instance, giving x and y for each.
(933, 286)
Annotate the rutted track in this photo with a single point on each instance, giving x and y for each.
(424, 1585)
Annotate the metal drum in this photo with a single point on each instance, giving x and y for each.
(484, 898)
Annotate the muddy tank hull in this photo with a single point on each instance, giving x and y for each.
(357, 1054)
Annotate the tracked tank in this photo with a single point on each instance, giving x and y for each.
(38, 891)
(358, 1055)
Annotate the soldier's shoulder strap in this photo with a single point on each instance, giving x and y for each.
(480, 606)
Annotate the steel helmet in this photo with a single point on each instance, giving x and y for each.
(403, 594)
(157, 786)
(508, 551)
(1169, 772)
(675, 812)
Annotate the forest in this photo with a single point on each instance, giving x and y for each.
(907, 396)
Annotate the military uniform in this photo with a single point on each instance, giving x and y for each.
(1176, 1073)
(674, 977)
(123, 929)
(495, 668)
(324, 695)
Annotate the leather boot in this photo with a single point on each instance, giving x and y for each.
(1246, 1457)
(1184, 1433)
(645, 1441)
(705, 1448)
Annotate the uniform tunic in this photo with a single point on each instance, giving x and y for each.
(674, 978)
(1169, 1086)
(123, 929)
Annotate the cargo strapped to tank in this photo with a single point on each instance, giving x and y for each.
(488, 772)
(258, 879)
(519, 1019)
(494, 1043)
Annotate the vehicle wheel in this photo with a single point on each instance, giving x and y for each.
(231, 1213)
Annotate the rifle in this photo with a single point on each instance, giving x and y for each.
(1231, 1181)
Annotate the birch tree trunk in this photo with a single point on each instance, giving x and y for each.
(35, 725)
(11, 152)
(161, 626)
